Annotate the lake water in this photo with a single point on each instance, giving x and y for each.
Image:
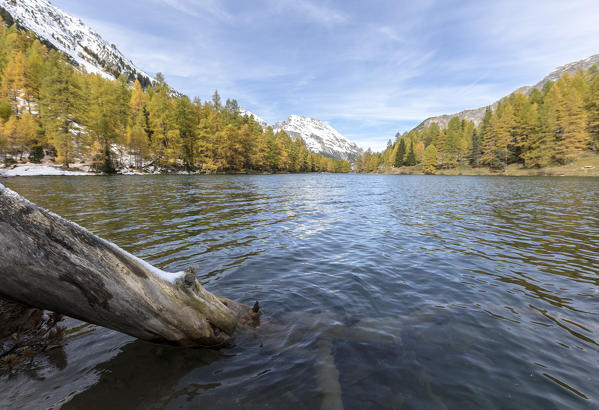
(378, 291)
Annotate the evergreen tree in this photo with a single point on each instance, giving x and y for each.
(411, 158)
(400, 154)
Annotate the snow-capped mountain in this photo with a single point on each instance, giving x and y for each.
(89, 50)
(71, 36)
(320, 138)
(257, 118)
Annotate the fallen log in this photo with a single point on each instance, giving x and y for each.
(50, 263)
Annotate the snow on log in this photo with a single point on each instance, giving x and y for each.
(50, 263)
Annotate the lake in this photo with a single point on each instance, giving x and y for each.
(378, 291)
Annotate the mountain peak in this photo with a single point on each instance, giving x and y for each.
(70, 35)
(320, 137)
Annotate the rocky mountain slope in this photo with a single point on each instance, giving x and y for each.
(320, 138)
(70, 35)
(476, 115)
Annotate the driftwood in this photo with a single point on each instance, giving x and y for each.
(50, 263)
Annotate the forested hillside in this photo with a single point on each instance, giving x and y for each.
(551, 126)
(49, 106)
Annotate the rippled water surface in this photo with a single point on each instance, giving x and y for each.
(378, 292)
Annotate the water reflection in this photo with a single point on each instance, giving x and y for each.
(380, 291)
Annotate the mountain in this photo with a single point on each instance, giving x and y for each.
(476, 115)
(320, 138)
(70, 35)
(88, 49)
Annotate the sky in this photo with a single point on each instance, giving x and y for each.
(368, 69)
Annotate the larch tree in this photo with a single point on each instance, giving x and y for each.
(13, 82)
(572, 121)
(60, 108)
(593, 110)
(430, 161)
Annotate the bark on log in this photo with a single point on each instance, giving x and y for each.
(50, 263)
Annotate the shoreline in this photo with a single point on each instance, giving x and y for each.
(573, 170)
(38, 170)
(586, 165)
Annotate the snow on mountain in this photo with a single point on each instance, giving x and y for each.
(89, 50)
(257, 118)
(320, 138)
(71, 36)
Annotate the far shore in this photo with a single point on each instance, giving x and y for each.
(52, 169)
(586, 165)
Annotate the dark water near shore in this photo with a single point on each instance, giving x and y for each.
(378, 292)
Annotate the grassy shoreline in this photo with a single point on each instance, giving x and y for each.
(586, 165)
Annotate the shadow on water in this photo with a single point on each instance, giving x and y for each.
(142, 375)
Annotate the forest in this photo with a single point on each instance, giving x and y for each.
(550, 126)
(50, 108)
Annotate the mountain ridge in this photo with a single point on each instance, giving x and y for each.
(320, 137)
(476, 114)
(87, 49)
(70, 35)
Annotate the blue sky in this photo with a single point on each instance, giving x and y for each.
(369, 69)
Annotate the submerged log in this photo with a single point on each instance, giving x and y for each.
(50, 263)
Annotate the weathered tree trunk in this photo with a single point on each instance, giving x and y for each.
(50, 263)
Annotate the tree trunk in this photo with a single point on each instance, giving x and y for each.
(50, 263)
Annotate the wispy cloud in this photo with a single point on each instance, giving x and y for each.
(369, 71)
(197, 8)
(316, 12)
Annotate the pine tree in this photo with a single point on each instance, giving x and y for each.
(411, 158)
(216, 100)
(400, 154)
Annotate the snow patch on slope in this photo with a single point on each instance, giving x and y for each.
(71, 36)
(258, 119)
(38, 170)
